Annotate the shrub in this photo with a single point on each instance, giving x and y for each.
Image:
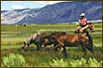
(13, 60)
(58, 63)
(91, 62)
(77, 63)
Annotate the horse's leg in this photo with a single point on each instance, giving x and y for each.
(56, 47)
(90, 48)
(90, 45)
(56, 44)
(64, 48)
(64, 51)
(84, 50)
(38, 48)
(38, 45)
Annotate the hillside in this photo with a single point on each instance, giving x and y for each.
(63, 12)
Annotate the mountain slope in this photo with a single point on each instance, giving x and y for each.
(57, 13)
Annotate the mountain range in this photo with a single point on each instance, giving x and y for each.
(63, 12)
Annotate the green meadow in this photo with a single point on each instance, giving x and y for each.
(13, 36)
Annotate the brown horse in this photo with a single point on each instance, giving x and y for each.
(72, 40)
(40, 39)
(36, 39)
(85, 31)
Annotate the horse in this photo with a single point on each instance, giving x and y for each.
(40, 39)
(30, 40)
(48, 39)
(90, 26)
(85, 29)
(73, 40)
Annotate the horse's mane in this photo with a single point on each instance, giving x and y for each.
(31, 38)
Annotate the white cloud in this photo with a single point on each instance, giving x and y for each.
(17, 1)
(42, 2)
(17, 6)
(47, 2)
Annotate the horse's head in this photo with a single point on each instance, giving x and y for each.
(91, 26)
(25, 47)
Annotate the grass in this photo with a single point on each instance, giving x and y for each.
(43, 57)
(12, 38)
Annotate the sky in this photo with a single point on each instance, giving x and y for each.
(10, 5)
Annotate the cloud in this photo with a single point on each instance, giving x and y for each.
(16, 1)
(17, 6)
(47, 2)
(41, 2)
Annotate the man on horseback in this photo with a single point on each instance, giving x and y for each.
(82, 23)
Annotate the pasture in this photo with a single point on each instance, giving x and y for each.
(13, 36)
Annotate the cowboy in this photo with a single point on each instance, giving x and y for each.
(82, 23)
